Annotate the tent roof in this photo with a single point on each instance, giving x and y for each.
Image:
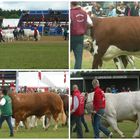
(10, 22)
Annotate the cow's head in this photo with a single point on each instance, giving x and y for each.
(88, 45)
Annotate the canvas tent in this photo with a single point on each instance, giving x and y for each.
(10, 22)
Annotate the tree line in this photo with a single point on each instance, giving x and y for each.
(10, 13)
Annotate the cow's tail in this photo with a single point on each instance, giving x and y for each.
(63, 115)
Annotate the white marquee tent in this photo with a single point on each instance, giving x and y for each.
(47, 79)
(10, 22)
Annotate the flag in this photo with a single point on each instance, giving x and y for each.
(3, 82)
(39, 75)
(64, 77)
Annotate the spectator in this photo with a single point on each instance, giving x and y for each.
(128, 89)
(112, 11)
(98, 12)
(108, 90)
(114, 90)
(15, 32)
(99, 107)
(121, 10)
(123, 89)
(65, 33)
(77, 110)
(1, 37)
(35, 33)
(6, 111)
(127, 9)
(135, 9)
(78, 29)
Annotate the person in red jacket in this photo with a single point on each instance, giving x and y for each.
(79, 22)
(99, 104)
(35, 33)
(77, 110)
(1, 37)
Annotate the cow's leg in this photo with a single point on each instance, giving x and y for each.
(117, 62)
(16, 125)
(31, 121)
(48, 122)
(25, 124)
(137, 132)
(56, 118)
(36, 119)
(43, 122)
(113, 124)
(98, 55)
(131, 61)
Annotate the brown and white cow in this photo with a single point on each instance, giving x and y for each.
(39, 104)
(120, 61)
(115, 36)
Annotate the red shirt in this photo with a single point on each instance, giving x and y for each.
(99, 99)
(78, 21)
(35, 31)
(80, 110)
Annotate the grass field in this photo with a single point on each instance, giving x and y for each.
(87, 62)
(39, 132)
(126, 127)
(48, 53)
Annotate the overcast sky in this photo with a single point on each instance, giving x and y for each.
(34, 5)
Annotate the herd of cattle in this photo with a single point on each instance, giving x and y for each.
(115, 38)
(119, 107)
(32, 106)
(9, 35)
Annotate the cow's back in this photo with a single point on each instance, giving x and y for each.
(122, 105)
(35, 104)
(122, 32)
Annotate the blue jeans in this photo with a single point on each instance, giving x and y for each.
(77, 120)
(9, 122)
(84, 123)
(77, 48)
(97, 126)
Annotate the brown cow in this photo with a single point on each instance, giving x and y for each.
(114, 37)
(38, 104)
(65, 99)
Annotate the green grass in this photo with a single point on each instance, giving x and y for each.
(34, 55)
(126, 127)
(87, 62)
(39, 132)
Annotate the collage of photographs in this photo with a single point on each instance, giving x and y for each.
(90, 90)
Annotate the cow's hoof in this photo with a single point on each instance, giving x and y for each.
(45, 129)
(54, 129)
(123, 136)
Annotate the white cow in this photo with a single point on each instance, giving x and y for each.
(28, 33)
(9, 37)
(119, 107)
(33, 122)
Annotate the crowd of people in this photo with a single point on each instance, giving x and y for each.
(115, 90)
(113, 10)
(26, 89)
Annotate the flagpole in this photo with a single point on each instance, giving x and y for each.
(39, 78)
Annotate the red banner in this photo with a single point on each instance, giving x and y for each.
(64, 77)
(39, 75)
